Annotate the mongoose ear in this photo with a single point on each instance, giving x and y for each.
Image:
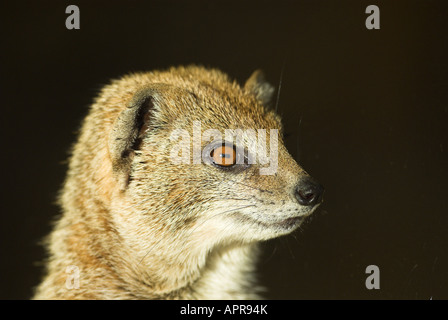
(127, 133)
(257, 85)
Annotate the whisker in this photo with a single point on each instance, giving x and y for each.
(298, 137)
(246, 185)
(289, 248)
(237, 199)
(215, 198)
(274, 250)
(279, 86)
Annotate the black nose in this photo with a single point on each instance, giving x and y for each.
(309, 192)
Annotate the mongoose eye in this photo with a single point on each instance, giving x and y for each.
(224, 156)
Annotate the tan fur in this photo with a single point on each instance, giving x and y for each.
(145, 228)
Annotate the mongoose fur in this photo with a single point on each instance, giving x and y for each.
(138, 226)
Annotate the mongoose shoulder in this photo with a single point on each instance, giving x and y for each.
(155, 208)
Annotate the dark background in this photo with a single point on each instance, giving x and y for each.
(371, 104)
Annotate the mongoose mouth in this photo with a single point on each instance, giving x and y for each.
(288, 224)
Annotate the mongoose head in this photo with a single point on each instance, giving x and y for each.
(166, 186)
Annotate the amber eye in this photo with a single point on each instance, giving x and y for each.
(224, 156)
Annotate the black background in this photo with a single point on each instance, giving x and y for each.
(366, 111)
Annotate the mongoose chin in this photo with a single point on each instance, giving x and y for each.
(161, 202)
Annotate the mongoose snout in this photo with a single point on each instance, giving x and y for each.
(309, 192)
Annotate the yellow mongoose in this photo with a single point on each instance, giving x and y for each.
(139, 223)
